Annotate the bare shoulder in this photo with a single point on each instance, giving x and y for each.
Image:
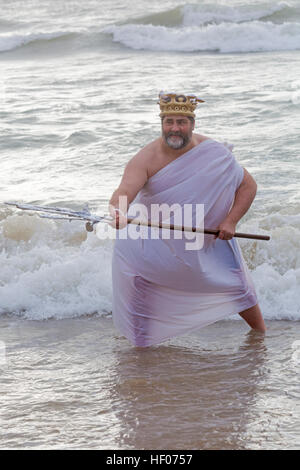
(144, 156)
(200, 138)
(148, 150)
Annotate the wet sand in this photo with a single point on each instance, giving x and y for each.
(76, 384)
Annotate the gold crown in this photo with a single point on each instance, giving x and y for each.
(171, 103)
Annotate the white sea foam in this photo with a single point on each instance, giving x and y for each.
(51, 269)
(214, 27)
(275, 265)
(223, 37)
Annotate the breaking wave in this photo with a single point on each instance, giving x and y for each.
(214, 27)
(55, 269)
(10, 41)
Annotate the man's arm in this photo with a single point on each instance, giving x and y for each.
(244, 197)
(134, 178)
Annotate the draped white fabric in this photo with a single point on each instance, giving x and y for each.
(161, 289)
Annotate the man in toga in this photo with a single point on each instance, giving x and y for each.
(161, 289)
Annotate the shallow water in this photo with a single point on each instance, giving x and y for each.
(75, 384)
(78, 101)
(78, 98)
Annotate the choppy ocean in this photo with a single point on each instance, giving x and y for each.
(78, 98)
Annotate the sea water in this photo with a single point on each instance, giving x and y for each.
(78, 98)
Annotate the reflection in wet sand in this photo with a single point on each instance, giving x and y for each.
(73, 384)
(175, 397)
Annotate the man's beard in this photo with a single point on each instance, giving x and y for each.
(178, 142)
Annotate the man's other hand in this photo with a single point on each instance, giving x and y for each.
(226, 230)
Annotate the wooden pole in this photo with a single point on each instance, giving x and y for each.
(194, 229)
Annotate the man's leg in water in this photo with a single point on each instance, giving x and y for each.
(254, 318)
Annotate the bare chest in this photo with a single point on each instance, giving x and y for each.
(157, 161)
(156, 164)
